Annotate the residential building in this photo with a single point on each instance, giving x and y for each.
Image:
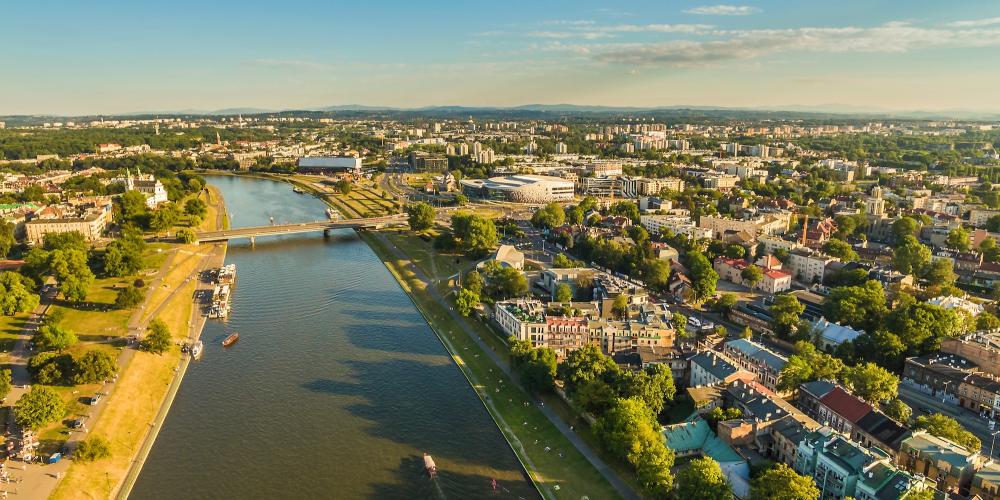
(958, 304)
(982, 349)
(937, 374)
(328, 165)
(769, 224)
(522, 319)
(836, 464)
(89, 221)
(986, 481)
(763, 363)
(939, 459)
(981, 394)
(694, 438)
(835, 408)
(709, 368)
(807, 266)
(883, 481)
(676, 224)
(831, 335)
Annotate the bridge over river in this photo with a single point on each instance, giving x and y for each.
(303, 227)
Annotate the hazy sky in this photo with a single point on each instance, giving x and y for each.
(108, 56)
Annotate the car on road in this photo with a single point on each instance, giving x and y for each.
(96, 398)
(77, 424)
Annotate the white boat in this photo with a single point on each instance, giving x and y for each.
(332, 214)
(196, 349)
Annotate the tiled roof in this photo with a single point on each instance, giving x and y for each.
(846, 404)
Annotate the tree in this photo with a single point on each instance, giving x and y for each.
(124, 255)
(158, 338)
(420, 216)
(474, 282)
(54, 338)
(585, 364)
(987, 321)
(5, 383)
(657, 273)
(72, 240)
(785, 313)
(946, 427)
(94, 448)
(993, 224)
(654, 385)
(195, 207)
(910, 256)
(897, 410)
(549, 216)
(734, 251)
(921, 326)
(858, 306)
(905, 227)
(477, 234)
(703, 276)
(808, 364)
(39, 407)
(840, 249)
(344, 187)
(872, 382)
(629, 431)
(165, 217)
(133, 205)
(574, 215)
(564, 293)
(752, 275)
(783, 483)
(16, 293)
(465, 301)
(703, 480)
(129, 297)
(94, 366)
(724, 303)
(536, 368)
(7, 239)
(620, 306)
(186, 235)
(508, 282)
(958, 239)
(940, 273)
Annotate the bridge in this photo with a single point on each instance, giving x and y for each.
(304, 227)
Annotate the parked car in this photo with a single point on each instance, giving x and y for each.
(96, 398)
(77, 424)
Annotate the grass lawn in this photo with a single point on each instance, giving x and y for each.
(97, 317)
(124, 422)
(528, 430)
(432, 263)
(10, 329)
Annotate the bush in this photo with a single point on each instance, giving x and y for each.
(94, 366)
(54, 338)
(128, 298)
(95, 448)
(186, 235)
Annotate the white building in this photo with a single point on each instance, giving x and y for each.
(808, 266)
(520, 188)
(677, 224)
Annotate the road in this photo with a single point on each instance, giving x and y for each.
(609, 474)
(969, 419)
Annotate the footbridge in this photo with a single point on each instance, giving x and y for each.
(303, 227)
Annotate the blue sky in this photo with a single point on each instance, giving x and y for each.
(112, 57)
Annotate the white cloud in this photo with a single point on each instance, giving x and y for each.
(290, 63)
(723, 10)
(656, 28)
(972, 23)
(895, 37)
(567, 22)
(586, 35)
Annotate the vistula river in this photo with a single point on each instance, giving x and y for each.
(336, 387)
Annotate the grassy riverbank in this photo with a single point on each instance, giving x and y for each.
(140, 397)
(554, 464)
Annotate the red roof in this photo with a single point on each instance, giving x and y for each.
(846, 404)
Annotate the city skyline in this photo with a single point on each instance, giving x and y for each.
(121, 58)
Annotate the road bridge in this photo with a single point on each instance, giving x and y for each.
(303, 227)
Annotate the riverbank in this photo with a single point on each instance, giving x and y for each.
(143, 395)
(559, 466)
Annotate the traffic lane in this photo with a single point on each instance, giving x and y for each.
(924, 404)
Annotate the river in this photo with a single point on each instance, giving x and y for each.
(336, 387)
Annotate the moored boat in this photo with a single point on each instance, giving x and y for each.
(429, 465)
(196, 349)
(231, 339)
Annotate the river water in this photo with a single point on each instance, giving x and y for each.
(335, 389)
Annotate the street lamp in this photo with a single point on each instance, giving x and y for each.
(992, 442)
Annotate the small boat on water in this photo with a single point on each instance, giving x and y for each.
(429, 466)
(298, 190)
(231, 339)
(196, 349)
(332, 214)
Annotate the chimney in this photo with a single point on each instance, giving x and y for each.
(805, 227)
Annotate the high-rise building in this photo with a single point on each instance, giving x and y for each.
(476, 148)
(463, 149)
(561, 148)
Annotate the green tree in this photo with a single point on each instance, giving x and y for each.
(629, 431)
(808, 364)
(993, 224)
(946, 427)
(186, 235)
(620, 306)
(420, 216)
(564, 293)
(7, 239)
(133, 205)
(39, 407)
(474, 282)
(124, 255)
(16, 293)
(785, 313)
(657, 273)
(703, 276)
(195, 207)
(5, 383)
(509, 282)
(752, 275)
(872, 382)
(129, 297)
(537, 369)
(94, 366)
(910, 256)
(344, 187)
(858, 306)
(165, 217)
(549, 216)
(72, 240)
(940, 273)
(585, 364)
(987, 321)
(782, 483)
(703, 480)
(724, 303)
(897, 410)
(654, 385)
(54, 338)
(734, 251)
(921, 326)
(905, 227)
(840, 249)
(94, 448)
(574, 215)
(157, 339)
(958, 239)
(466, 301)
